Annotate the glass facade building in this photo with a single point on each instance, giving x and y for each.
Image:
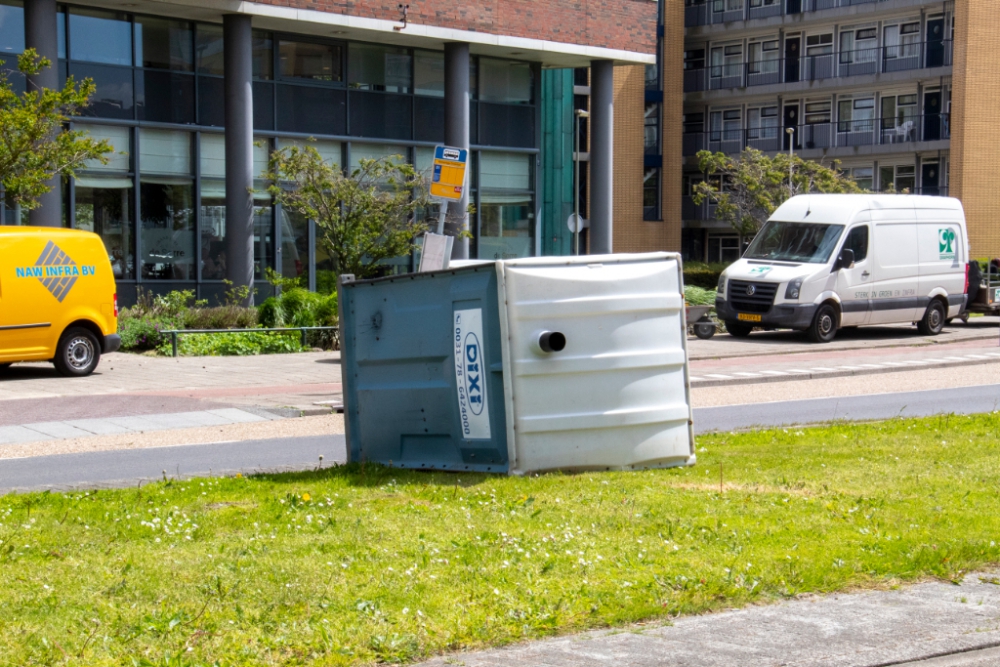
(159, 203)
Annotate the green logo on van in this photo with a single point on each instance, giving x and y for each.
(946, 243)
(56, 271)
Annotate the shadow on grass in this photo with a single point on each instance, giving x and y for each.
(375, 475)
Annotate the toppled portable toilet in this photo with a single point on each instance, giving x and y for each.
(518, 366)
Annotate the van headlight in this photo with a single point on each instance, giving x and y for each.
(721, 287)
(793, 289)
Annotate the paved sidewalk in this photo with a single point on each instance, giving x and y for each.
(81, 428)
(873, 629)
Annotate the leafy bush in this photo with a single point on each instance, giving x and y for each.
(220, 317)
(235, 344)
(697, 296)
(703, 275)
(140, 333)
(298, 307)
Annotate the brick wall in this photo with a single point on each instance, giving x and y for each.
(618, 24)
(632, 233)
(975, 139)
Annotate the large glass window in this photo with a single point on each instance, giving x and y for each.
(505, 81)
(212, 221)
(208, 48)
(506, 215)
(295, 246)
(104, 199)
(428, 73)
(330, 151)
(11, 28)
(164, 44)
(384, 68)
(312, 61)
(651, 129)
(166, 205)
(100, 37)
(651, 194)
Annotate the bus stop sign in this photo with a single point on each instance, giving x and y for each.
(449, 172)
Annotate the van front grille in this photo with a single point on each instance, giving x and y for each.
(760, 301)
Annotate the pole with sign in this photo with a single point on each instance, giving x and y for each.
(447, 185)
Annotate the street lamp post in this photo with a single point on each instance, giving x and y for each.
(790, 131)
(580, 113)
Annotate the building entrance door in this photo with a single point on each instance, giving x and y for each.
(935, 43)
(792, 54)
(930, 179)
(932, 116)
(792, 121)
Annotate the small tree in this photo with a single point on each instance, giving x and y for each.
(34, 146)
(366, 216)
(747, 189)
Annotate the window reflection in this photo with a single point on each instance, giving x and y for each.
(309, 60)
(100, 37)
(295, 246)
(167, 211)
(11, 28)
(164, 44)
(104, 206)
(384, 68)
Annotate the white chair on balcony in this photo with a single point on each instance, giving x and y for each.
(903, 131)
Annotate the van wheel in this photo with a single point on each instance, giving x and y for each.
(78, 353)
(933, 321)
(738, 329)
(4, 367)
(824, 325)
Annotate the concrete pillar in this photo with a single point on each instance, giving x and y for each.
(602, 131)
(41, 32)
(238, 67)
(456, 134)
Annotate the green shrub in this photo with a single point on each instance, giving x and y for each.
(298, 307)
(140, 333)
(220, 317)
(235, 344)
(697, 296)
(270, 314)
(703, 275)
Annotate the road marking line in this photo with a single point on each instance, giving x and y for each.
(849, 368)
(718, 377)
(955, 359)
(694, 379)
(749, 375)
(822, 370)
(775, 373)
(796, 370)
(894, 364)
(976, 356)
(872, 366)
(934, 361)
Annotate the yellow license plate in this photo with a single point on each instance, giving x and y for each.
(747, 317)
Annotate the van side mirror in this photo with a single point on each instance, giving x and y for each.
(846, 259)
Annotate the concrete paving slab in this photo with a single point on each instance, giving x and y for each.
(237, 416)
(98, 426)
(187, 420)
(871, 629)
(13, 435)
(57, 430)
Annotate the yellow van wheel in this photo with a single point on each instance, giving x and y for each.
(78, 353)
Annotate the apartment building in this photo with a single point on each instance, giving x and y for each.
(898, 91)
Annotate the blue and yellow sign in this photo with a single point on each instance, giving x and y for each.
(449, 172)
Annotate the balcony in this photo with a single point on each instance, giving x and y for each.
(895, 58)
(711, 12)
(839, 134)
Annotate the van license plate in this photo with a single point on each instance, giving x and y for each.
(747, 317)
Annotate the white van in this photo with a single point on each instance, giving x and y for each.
(823, 262)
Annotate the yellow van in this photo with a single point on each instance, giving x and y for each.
(58, 300)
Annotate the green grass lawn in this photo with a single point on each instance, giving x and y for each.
(360, 565)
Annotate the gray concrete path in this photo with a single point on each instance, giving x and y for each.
(134, 466)
(81, 428)
(126, 467)
(874, 629)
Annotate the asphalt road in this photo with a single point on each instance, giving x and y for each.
(130, 467)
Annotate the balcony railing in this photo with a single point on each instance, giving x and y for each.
(843, 133)
(708, 12)
(896, 58)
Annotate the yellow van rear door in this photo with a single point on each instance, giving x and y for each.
(25, 319)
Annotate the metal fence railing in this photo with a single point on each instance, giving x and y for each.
(835, 64)
(303, 332)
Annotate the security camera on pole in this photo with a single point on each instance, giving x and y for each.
(447, 185)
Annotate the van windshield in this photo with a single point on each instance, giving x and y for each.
(795, 242)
